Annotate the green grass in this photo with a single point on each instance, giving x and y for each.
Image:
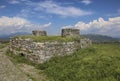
(18, 59)
(3, 45)
(99, 63)
(50, 38)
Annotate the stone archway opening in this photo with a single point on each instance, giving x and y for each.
(22, 54)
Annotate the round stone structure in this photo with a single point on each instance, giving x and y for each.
(39, 33)
(70, 32)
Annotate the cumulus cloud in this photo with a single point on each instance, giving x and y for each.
(110, 27)
(86, 2)
(16, 24)
(54, 8)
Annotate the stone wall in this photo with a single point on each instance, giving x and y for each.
(39, 33)
(84, 43)
(42, 51)
(70, 32)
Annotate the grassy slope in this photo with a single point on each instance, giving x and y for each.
(98, 63)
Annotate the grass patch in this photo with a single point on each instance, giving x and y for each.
(3, 45)
(50, 38)
(98, 63)
(18, 59)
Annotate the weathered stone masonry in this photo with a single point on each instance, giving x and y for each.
(42, 51)
(70, 32)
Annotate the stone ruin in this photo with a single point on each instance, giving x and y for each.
(39, 33)
(70, 32)
(40, 52)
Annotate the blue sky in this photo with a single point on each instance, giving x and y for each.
(90, 16)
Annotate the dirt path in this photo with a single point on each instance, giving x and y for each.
(18, 72)
(8, 71)
(34, 73)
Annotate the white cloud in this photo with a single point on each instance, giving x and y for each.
(47, 25)
(86, 2)
(2, 6)
(14, 2)
(16, 24)
(18, 1)
(25, 13)
(111, 27)
(54, 8)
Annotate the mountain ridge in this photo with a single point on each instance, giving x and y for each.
(101, 38)
(97, 38)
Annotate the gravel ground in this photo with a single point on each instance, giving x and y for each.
(8, 71)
